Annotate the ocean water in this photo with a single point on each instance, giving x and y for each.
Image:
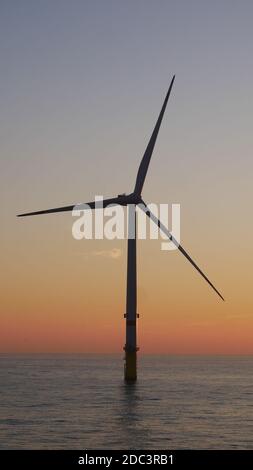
(81, 402)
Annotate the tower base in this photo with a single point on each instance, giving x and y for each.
(130, 370)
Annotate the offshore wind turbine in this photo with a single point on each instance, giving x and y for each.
(132, 200)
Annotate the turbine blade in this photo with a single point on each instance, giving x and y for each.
(92, 205)
(143, 168)
(162, 227)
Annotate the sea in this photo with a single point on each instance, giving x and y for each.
(81, 402)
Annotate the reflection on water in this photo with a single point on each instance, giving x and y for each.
(130, 425)
(81, 402)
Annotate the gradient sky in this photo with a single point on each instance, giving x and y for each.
(81, 86)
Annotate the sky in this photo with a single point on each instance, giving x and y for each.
(81, 87)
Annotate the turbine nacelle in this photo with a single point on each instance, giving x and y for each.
(132, 198)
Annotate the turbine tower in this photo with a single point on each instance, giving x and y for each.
(132, 200)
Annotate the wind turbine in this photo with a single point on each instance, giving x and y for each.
(132, 200)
